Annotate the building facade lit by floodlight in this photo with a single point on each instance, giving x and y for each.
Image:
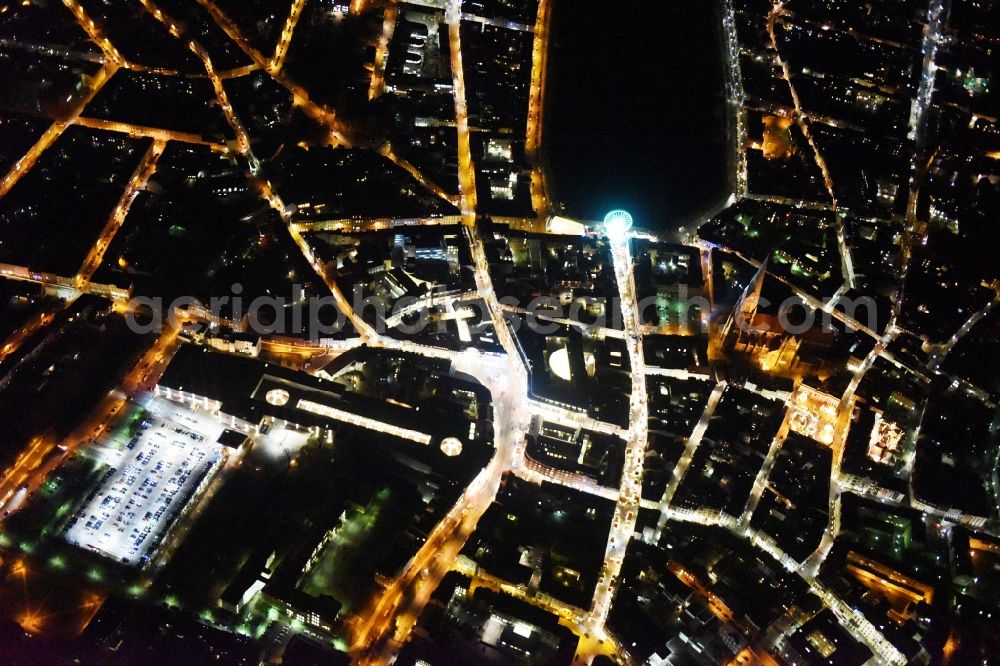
(617, 223)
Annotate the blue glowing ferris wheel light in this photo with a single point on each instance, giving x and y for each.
(618, 222)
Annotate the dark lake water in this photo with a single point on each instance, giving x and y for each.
(635, 109)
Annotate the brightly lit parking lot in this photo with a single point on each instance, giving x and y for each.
(155, 466)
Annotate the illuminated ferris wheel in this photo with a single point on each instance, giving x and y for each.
(617, 223)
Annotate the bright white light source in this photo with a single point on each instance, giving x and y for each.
(523, 629)
(617, 223)
(559, 364)
(277, 397)
(451, 446)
